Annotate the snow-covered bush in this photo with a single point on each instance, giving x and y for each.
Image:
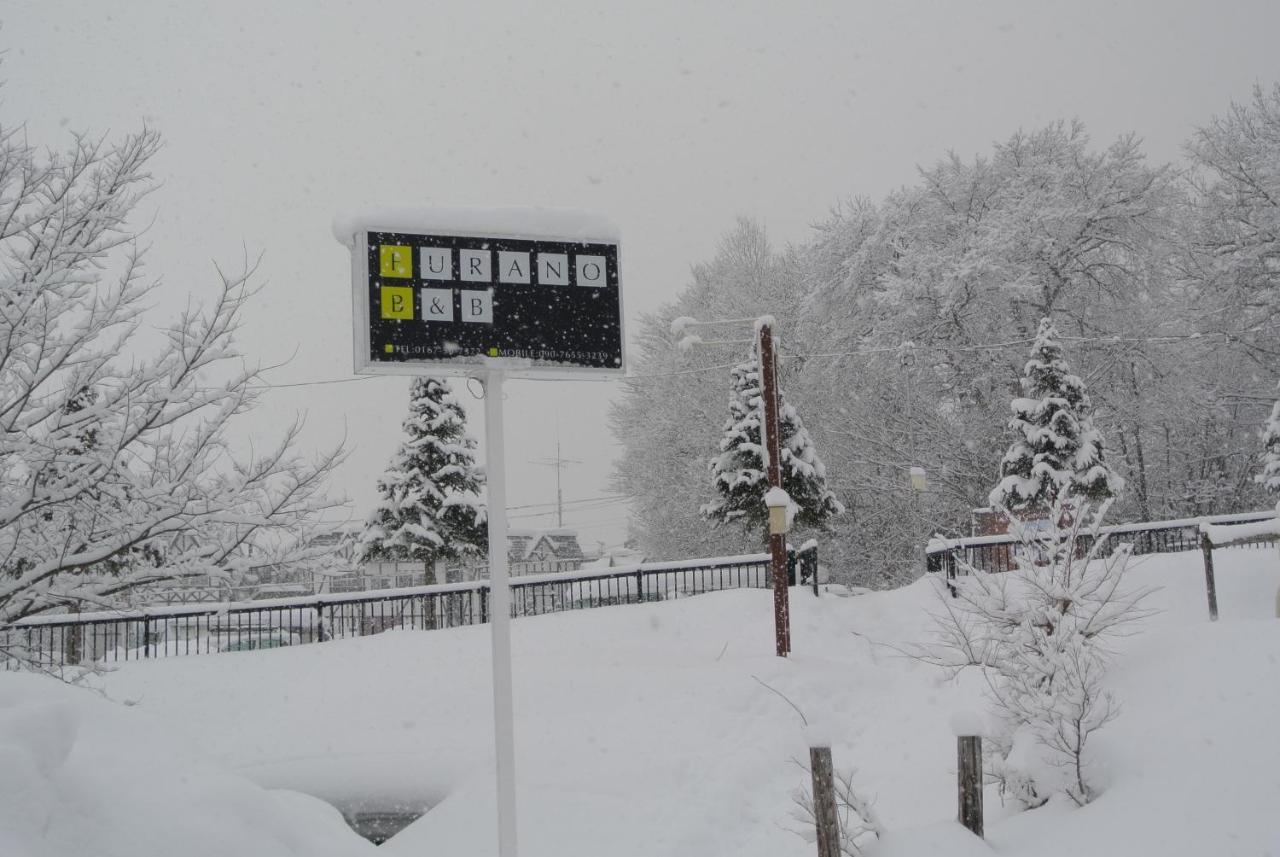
(855, 816)
(1040, 636)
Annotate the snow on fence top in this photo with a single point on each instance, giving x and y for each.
(532, 222)
(305, 602)
(939, 544)
(1226, 534)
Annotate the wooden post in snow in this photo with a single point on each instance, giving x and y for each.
(825, 820)
(969, 781)
(1206, 545)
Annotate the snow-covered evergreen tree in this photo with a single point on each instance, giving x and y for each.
(1057, 449)
(1270, 475)
(430, 506)
(739, 471)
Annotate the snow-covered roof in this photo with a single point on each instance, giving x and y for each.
(562, 543)
(532, 222)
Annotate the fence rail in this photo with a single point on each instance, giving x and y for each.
(68, 639)
(999, 553)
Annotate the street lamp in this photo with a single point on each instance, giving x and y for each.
(779, 503)
(918, 480)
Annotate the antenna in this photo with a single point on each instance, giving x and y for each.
(559, 463)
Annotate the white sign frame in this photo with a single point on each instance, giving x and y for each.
(474, 365)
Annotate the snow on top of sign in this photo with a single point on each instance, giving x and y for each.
(531, 222)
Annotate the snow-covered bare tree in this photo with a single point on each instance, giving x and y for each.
(740, 472)
(1041, 634)
(116, 467)
(1161, 288)
(430, 505)
(1239, 231)
(670, 410)
(1057, 450)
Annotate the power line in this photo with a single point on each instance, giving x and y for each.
(885, 349)
(601, 498)
(607, 506)
(559, 463)
(267, 385)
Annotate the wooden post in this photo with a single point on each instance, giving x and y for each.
(1210, 586)
(825, 820)
(969, 776)
(772, 443)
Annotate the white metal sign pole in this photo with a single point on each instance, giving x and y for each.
(504, 738)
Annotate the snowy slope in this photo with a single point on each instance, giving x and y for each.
(82, 776)
(646, 730)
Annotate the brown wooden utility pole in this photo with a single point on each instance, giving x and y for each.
(772, 443)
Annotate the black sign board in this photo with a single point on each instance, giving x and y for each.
(469, 301)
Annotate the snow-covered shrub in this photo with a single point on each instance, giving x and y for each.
(1040, 636)
(855, 816)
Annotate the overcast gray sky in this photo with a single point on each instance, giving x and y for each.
(670, 117)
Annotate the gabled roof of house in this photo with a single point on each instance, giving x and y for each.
(562, 544)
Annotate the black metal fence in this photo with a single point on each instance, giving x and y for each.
(999, 553)
(69, 639)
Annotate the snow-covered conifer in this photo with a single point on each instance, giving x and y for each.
(1270, 475)
(740, 472)
(1058, 449)
(430, 505)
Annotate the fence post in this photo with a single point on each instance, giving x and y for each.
(969, 777)
(825, 820)
(322, 632)
(74, 648)
(639, 586)
(813, 568)
(1210, 586)
(484, 605)
(146, 637)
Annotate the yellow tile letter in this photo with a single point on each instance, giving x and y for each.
(397, 302)
(395, 260)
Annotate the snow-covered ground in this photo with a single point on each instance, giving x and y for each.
(645, 730)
